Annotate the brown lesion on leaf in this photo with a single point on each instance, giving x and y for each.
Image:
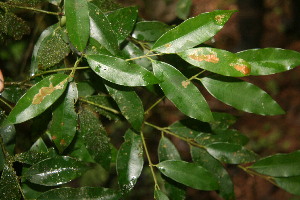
(45, 91)
(53, 137)
(219, 18)
(168, 45)
(208, 58)
(244, 69)
(185, 83)
(62, 142)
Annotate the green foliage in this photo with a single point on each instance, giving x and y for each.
(92, 74)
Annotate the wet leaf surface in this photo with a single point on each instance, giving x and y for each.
(9, 184)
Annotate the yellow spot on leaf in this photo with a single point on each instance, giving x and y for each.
(168, 45)
(45, 91)
(208, 58)
(185, 83)
(219, 18)
(242, 68)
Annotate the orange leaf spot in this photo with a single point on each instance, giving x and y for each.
(208, 58)
(62, 142)
(219, 18)
(53, 137)
(185, 83)
(242, 68)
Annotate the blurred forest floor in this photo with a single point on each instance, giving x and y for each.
(268, 134)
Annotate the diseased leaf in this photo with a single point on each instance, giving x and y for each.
(183, 8)
(80, 193)
(123, 21)
(270, 60)
(241, 95)
(38, 98)
(78, 23)
(231, 153)
(203, 158)
(13, 26)
(279, 165)
(192, 32)
(120, 72)
(217, 61)
(222, 121)
(290, 184)
(9, 189)
(149, 30)
(130, 161)
(129, 104)
(101, 29)
(182, 92)
(94, 136)
(188, 174)
(64, 119)
(55, 171)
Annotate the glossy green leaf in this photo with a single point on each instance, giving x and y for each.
(39, 146)
(188, 174)
(159, 195)
(85, 89)
(192, 32)
(78, 23)
(101, 29)
(38, 98)
(290, 184)
(123, 21)
(167, 150)
(13, 93)
(130, 161)
(106, 5)
(217, 61)
(32, 157)
(231, 153)
(189, 128)
(129, 104)
(64, 119)
(228, 136)
(279, 165)
(79, 150)
(55, 171)
(203, 158)
(222, 121)
(95, 137)
(120, 72)
(33, 191)
(270, 60)
(241, 95)
(183, 8)
(13, 26)
(149, 30)
(80, 193)
(9, 189)
(183, 93)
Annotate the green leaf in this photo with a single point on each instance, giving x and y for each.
(55, 171)
(64, 119)
(30, 3)
(13, 26)
(231, 153)
(123, 21)
(106, 5)
(101, 29)
(95, 137)
(129, 104)
(79, 151)
(85, 89)
(183, 8)
(222, 121)
(32, 157)
(33, 191)
(183, 93)
(189, 128)
(78, 23)
(159, 195)
(50, 49)
(55, 2)
(189, 174)
(13, 93)
(149, 30)
(9, 188)
(290, 184)
(38, 98)
(192, 32)
(228, 136)
(203, 158)
(130, 161)
(167, 150)
(120, 72)
(241, 95)
(279, 165)
(217, 61)
(80, 193)
(270, 60)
